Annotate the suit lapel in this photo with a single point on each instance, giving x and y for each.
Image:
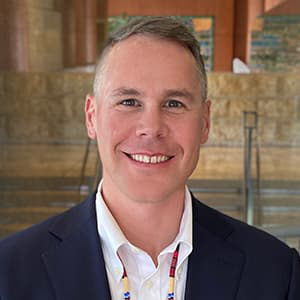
(76, 266)
(214, 267)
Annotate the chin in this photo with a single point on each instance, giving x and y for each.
(152, 193)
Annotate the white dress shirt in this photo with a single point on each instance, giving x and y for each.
(146, 281)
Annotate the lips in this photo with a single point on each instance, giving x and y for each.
(149, 159)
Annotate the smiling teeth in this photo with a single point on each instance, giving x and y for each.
(149, 159)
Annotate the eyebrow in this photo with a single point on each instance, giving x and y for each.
(183, 93)
(123, 91)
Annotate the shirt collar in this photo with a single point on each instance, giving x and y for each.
(112, 237)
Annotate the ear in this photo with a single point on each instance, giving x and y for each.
(206, 121)
(90, 116)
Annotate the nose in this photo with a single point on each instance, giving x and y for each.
(152, 124)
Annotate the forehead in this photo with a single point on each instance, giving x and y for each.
(140, 46)
(144, 59)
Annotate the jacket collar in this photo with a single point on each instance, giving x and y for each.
(215, 266)
(76, 266)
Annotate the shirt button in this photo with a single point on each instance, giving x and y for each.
(149, 284)
(179, 270)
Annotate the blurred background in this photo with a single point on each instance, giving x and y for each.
(250, 167)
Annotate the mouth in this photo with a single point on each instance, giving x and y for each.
(149, 159)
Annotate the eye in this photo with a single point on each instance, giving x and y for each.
(174, 104)
(129, 102)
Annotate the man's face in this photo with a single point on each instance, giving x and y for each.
(148, 119)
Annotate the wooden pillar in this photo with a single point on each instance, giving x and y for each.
(69, 33)
(245, 13)
(14, 36)
(101, 24)
(91, 31)
(79, 19)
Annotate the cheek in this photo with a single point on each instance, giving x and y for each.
(112, 130)
(188, 134)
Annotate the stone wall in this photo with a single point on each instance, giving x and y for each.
(42, 127)
(275, 97)
(43, 107)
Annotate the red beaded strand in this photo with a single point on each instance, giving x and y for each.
(172, 274)
(125, 284)
(126, 293)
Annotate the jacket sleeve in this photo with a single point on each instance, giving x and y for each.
(294, 287)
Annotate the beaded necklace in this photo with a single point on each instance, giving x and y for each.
(126, 293)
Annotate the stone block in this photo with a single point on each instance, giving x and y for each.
(74, 117)
(227, 163)
(75, 131)
(267, 131)
(291, 84)
(280, 163)
(225, 84)
(44, 107)
(22, 85)
(34, 120)
(219, 107)
(79, 83)
(298, 108)
(288, 132)
(73, 106)
(266, 85)
(3, 129)
(279, 133)
(219, 163)
(280, 108)
(2, 85)
(46, 160)
(4, 100)
(54, 84)
(25, 122)
(240, 104)
(226, 131)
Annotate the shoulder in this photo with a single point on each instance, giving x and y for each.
(265, 259)
(27, 245)
(21, 257)
(26, 238)
(239, 234)
(22, 254)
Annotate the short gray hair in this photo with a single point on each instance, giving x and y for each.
(164, 28)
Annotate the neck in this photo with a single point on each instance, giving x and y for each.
(149, 226)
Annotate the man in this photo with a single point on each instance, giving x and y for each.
(143, 235)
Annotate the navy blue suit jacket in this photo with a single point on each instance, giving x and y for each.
(62, 259)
